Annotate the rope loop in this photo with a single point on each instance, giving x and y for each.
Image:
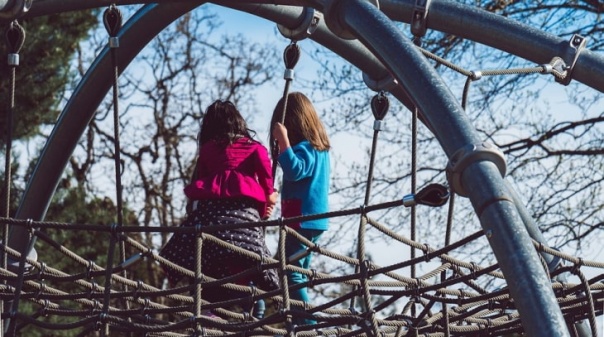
(89, 269)
(433, 195)
(29, 225)
(44, 310)
(198, 229)
(291, 55)
(426, 252)
(112, 18)
(96, 305)
(365, 267)
(40, 291)
(41, 271)
(139, 287)
(362, 210)
(113, 230)
(15, 37)
(312, 278)
(577, 266)
(473, 269)
(380, 105)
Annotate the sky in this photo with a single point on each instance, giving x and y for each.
(345, 146)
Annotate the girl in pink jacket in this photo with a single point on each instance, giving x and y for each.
(233, 183)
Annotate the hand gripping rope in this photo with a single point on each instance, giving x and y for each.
(291, 55)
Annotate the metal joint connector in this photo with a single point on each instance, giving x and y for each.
(308, 24)
(418, 18)
(409, 200)
(14, 9)
(475, 75)
(379, 125)
(468, 155)
(114, 42)
(575, 46)
(288, 74)
(13, 60)
(386, 83)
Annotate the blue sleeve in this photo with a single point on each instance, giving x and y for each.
(298, 162)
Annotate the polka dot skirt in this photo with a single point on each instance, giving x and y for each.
(217, 261)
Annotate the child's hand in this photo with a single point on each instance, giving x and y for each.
(280, 134)
(272, 198)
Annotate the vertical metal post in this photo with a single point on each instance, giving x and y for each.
(528, 283)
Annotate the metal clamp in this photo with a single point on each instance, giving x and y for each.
(575, 46)
(379, 125)
(308, 24)
(14, 9)
(466, 156)
(386, 83)
(419, 18)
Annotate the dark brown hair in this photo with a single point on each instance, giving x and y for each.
(223, 123)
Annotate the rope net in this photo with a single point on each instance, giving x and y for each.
(448, 298)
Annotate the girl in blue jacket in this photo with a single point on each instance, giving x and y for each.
(303, 154)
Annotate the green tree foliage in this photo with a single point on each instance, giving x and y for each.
(64, 249)
(43, 71)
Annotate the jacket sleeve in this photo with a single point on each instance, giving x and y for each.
(298, 162)
(264, 170)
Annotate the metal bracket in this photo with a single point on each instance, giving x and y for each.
(419, 17)
(575, 46)
(309, 23)
(467, 155)
(14, 9)
(379, 125)
(387, 83)
(333, 19)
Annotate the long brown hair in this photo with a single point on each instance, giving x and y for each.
(302, 122)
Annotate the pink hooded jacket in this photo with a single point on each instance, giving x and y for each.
(241, 169)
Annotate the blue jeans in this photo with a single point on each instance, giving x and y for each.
(292, 246)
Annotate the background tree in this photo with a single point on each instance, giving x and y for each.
(44, 71)
(554, 160)
(551, 135)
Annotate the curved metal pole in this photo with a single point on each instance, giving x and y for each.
(501, 33)
(529, 285)
(446, 16)
(353, 51)
(136, 33)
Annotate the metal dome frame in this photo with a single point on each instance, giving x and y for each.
(366, 36)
